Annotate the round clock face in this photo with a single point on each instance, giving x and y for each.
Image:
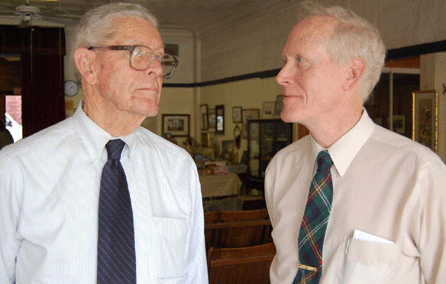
(71, 88)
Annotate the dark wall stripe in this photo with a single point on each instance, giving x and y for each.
(398, 53)
(262, 75)
(416, 50)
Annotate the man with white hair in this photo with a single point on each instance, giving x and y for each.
(97, 198)
(352, 202)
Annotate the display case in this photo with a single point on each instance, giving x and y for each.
(265, 138)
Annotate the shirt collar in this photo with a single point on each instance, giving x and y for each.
(95, 138)
(344, 150)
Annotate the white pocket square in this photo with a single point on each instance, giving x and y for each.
(363, 236)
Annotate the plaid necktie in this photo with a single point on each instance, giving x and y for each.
(314, 223)
(116, 243)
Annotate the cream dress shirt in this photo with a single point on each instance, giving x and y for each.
(49, 189)
(385, 185)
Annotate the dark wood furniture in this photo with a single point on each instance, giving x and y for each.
(265, 138)
(238, 229)
(209, 232)
(245, 265)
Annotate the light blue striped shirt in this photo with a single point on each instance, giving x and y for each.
(49, 188)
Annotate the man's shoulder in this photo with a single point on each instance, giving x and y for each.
(399, 144)
(41, 141)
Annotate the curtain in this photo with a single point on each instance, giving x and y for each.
(42, 52)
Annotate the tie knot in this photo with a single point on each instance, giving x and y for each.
(114, 149)
(324, 160)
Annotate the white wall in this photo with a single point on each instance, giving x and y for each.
(184, 74)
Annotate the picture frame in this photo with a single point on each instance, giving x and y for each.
(177, 125)
(237, 115)
(268, 110)
(220, 120)
(211, 113)
(247, 114)
(204, 117)
(399, 124)
(278, 106)
(425, 118)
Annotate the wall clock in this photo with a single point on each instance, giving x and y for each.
(71, 88)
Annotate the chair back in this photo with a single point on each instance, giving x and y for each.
(210, 234)
(244, 265)
(245, 215)
(244, 228)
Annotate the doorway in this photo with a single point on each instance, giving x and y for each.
(13, 116)
(11, 93)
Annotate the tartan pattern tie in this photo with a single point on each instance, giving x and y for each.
(116, 243)
(314, 222)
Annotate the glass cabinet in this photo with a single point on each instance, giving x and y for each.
(265, 138)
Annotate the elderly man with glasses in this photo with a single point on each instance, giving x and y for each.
(97, 198)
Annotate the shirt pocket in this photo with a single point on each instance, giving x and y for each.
(369, 262)
(170, 246)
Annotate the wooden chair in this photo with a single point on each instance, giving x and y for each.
(243, 228)
(245, 265)
(245, 215)
(210, 233)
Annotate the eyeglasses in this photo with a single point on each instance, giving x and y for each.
(141, 57)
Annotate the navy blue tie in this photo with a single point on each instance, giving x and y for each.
(116, 242)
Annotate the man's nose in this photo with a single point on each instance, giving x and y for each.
(284, 76)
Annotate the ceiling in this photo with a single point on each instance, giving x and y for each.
(198, 16)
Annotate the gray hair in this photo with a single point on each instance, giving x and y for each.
(97, 25)
(353, 37)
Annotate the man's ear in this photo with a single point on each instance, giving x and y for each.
(356, 68)
(84, 59)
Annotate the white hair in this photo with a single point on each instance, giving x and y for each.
(353, 37)
(97, 25)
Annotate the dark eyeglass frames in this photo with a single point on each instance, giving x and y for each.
(141, 57)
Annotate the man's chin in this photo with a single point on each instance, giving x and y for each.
(151, 112)
(286, 116)
(148, 108)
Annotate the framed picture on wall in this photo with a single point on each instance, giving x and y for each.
(248, 114)
(176, 124)
(211, 113)
(268, 109)
(220, 120)
(204, 117)
(399, 124)
(425, 118)
(237, 115)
